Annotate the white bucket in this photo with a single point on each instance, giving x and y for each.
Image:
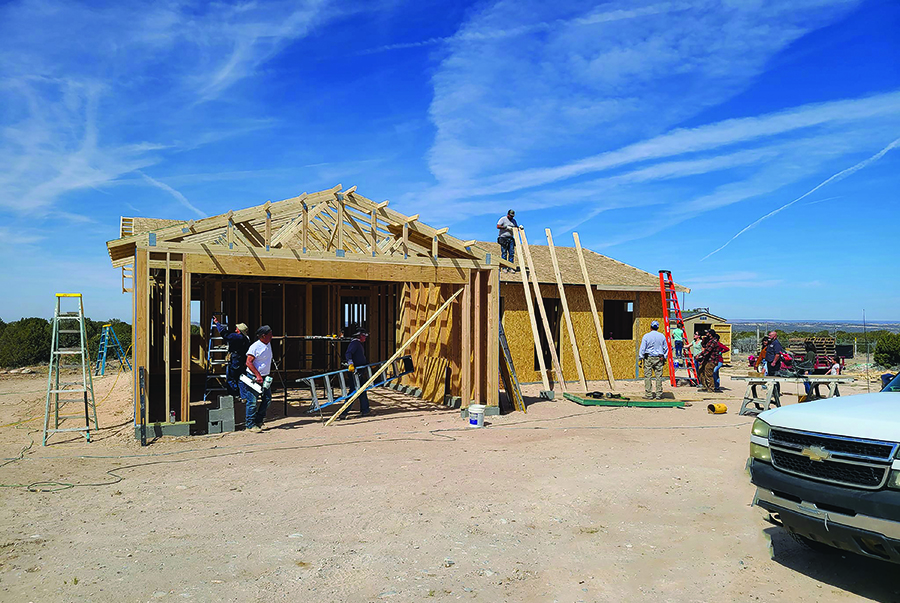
(476, 415)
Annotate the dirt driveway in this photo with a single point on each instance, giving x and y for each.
(564, 503)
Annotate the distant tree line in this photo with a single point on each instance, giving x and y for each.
(27, 341)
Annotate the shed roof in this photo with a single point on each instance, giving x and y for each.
(604, 272)
(689, 317)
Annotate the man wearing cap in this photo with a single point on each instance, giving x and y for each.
(356, 357)
(505, 225)
(654, 350)
(255, 389)
(238, 344)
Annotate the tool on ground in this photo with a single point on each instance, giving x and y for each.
(508, 374)
(216, 358)
(672, 311)
(396, 355)
(108, 338)
(69, 328)
(340, 382)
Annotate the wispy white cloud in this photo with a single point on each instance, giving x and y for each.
(578, 90)
(176, 194)
(835, 178)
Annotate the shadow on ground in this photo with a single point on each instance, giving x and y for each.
(870, 578)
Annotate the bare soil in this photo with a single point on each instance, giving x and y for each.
(564, 503)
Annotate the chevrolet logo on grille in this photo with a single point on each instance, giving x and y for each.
(816, 453)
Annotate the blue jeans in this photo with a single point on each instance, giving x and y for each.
(507, 248)
(679, 346)
(257, 404)
(363, 400)
(716, 374)
(232, 378)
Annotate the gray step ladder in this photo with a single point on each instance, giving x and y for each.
(66, 325)
(216, 360)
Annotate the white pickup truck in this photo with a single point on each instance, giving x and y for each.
(828, 471)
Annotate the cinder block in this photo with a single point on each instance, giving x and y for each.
(226, 402)
(156, 430)
(455, 402)
(546, 394)
(491, 411)
(416, 392)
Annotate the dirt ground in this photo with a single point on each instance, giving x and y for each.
(564, 503)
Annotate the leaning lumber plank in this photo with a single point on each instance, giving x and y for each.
(531, 316)
(590, 296)
(539, 301)
(396, 355)
(565, 307)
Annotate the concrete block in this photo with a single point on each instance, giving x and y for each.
(416, 392)
(546, 394)
(226, 402)
(157, 430)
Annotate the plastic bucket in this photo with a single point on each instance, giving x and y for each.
(717, 409)
(476, 415)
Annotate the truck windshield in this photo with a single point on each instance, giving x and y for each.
(894, 385)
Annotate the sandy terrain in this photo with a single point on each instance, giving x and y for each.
(564, 503)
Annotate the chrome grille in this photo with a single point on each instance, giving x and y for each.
(849, 461)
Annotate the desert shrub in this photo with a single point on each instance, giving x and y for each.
(24, 342)
(887, 353)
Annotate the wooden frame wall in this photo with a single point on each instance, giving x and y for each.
(166, 283)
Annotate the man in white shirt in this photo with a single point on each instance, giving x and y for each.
(258, 395)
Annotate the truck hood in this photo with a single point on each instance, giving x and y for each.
(867, 416)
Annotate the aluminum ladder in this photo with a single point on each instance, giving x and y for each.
(109, 338)
(672, 312)
(348, 383)
(216, 359)
(69, 340)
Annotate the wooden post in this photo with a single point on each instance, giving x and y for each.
(340, 221)
(141, 345)
(465, 373)
(565, 307)
(387, 363)
(539, 301)
(305, 227)
(230, 233)
(590, 294)
(268, 225)
(405, 240)
(493, 337)
(545, 381)
(185, 339)
(479, 339)
(373, 227)
(167, 336)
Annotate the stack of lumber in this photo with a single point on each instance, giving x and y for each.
(824, 345)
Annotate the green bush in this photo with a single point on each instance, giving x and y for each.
(888, 351)
(24, 342)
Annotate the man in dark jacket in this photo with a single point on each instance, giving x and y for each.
(238, 344)
(356, 357)
(774, 352)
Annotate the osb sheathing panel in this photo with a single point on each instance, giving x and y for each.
(438, 347)
(622, 353)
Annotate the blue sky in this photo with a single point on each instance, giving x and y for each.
(658, 130)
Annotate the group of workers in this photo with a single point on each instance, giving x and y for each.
(707, 350)
(247, 374)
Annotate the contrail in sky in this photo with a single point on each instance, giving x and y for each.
(178, 196)
(839, 176)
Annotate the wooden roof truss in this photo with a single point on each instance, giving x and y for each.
(331, 222)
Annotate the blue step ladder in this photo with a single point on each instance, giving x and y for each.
(108, 338)
(337, 386)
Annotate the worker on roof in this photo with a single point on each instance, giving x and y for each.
(505, 225)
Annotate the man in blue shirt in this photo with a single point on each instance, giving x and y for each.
(356, 357)
(238, 344)
(654, 350)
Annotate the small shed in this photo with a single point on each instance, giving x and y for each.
(701, 320)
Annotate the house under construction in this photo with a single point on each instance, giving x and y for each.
(311, 265)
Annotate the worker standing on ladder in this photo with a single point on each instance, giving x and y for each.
(654, 351)
(356, 356)
(255, 384)
(238, 344)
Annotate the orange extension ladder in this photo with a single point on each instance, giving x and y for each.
(672, 312)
